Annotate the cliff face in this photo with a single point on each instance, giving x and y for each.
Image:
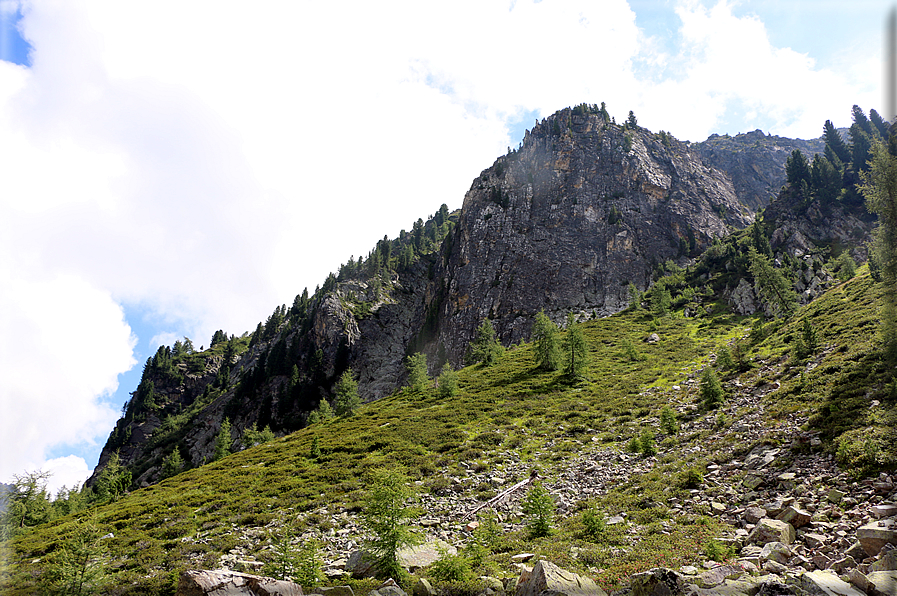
(568, 220)
(755, 162)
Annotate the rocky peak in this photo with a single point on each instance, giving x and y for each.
(755, 161)
(567, 221)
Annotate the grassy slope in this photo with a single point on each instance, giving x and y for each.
(538, 415)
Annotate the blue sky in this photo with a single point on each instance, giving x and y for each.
(161, 180)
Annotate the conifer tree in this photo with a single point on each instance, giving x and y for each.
(448, 381)
(416, 365)
(545, 342)
(880, 190)
(386, 517)
(575, 352)
(223, 440)
(485, 347)
(173, 464)
(834, 140)
(774, 288)
(347, 400)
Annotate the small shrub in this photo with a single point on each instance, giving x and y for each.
(633, 446)
(646, 441)
(539, 507)
(450, 568)
(711, 390)
(724, 359)
(716, 551)
(668, 423)
(593, 524)
(691, 478)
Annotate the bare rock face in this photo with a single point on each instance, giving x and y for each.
(755, 162)
(565, 223)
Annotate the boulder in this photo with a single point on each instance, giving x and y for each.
(656, 582)
(794, 516)
(824, 583)
(883, 582)
(888, 562)
(775, 551)
(422, 555)
(547, 579)
(754, 514)
(874, 535)
(422, 587)
(771, 530)
(232, 583)
(388, 588)
(335, 591)
(716, 576)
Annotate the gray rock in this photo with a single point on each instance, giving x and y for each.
(422, 587)
(887, 563)
(335, 591)
(795, 516)
(883, 582)
(752, 515)
(232, 583)
(775, 551)
(825, 583)
(547, 579)
(656, 582)
(771, 530)
(874, 535)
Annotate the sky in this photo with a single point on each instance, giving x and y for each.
(171, 168)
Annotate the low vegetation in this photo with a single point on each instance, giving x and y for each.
(192, 518)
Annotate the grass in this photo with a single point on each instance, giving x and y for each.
(190, 520)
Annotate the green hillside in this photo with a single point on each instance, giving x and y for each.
(512, 418)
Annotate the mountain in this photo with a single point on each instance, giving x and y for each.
(755, 162)
(564, 223)
(690, 427)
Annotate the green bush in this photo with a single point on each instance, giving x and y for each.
(538, 506)
(593, 524)
(668, 423)
(646, 442)
(712, 394)
(450, 568)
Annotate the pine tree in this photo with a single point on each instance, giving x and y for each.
(173, 464)
(538, 506)
(796, 169)
(448, 381)
(880, 190)
(774, 288)
(416, 365)
(545, 342)
(223, 440)
(485, 347)
(386, 517)
(575, 352)
(347, 400)
(834, 140)
(712, 393)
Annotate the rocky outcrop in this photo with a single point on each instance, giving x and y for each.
(583, 208)
(755, 161)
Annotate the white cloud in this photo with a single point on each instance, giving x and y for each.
(202, 163)
(64, 342)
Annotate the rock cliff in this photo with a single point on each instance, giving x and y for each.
(755, 162)
(565, 223)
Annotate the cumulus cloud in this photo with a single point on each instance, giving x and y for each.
(202, 163)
